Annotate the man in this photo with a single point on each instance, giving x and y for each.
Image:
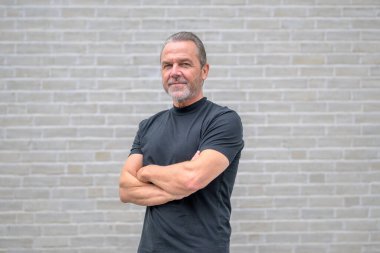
(183, 161)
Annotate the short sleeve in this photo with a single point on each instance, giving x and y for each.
(136, 145)
(224, 134)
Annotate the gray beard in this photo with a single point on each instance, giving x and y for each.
(186, 94)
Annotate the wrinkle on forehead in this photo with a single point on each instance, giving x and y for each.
(179, 50)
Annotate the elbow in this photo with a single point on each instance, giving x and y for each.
(123, 195)
(191, 181)
(193, 184)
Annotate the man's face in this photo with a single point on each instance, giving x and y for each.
(182, 74)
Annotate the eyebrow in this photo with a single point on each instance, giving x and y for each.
(179, 60)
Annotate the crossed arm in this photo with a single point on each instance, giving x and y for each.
(154, 185)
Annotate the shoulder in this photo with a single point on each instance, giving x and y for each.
(221, 119)
(218, 112)
(154, 118)
(223, 132)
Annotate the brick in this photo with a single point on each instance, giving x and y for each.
(121, 241)
(15, 144)
(14, 243)
(46, 242)
(361, 154)
(263, 24)
(24, 231)
(316, 71)
(289, 202)
(371, 201)
(298, 24)
(88, 217)
(227, 24)
(76, 157)
(77, 205)
(51, 121)
(374, 236)
(357, 213)
(343, 36)
(361, 225)
(47, 169)
(97, 193)
(80, 108)
(281, 190)
(103, 156)
(282, 238)
(309, 60)
(366, 47)
(59, 230)
(326, 202)
(334, 142)
(366, 142)
(290, 12)
(310, 249)
(345, 248)
(88, 120)
(318, 11)
(333, 24)
(59, 132)
(359, 12)
(273, 60)
(352, 237)
(370, 35)
(312, 47)
(256, 226)
(290, 226)
(321, 214)
(364, 2)
(89, 229)
(322, 238)
(365, 24)
(316, 189)
(348, 71)
(32, 194)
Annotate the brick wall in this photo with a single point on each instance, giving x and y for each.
(78, 76)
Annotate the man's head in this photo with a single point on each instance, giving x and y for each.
(183, 68)
(189, 36)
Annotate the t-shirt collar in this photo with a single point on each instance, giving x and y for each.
(190, 108)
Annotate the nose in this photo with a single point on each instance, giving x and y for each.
(175, 72)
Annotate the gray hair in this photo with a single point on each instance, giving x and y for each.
(189, 36)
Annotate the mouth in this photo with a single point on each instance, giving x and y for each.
(177, 82)
(177, 85)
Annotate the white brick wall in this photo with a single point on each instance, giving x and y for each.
(76, 77)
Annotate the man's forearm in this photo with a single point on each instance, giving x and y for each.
(175, 179)
(147, 195)
(186, 177)
(134, 191)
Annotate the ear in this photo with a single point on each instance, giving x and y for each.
(205, 70)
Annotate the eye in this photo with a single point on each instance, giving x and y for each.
(166, 66)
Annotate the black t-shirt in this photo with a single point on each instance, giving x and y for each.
(200, 222)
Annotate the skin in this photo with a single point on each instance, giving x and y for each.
(182, 78)
(182, 74)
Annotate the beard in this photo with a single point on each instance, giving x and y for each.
(181, 90)
(180, 94)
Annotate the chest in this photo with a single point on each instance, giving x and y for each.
(172, 139)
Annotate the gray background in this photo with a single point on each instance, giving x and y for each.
(78, 76)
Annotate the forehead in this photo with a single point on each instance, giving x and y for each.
(179, 49)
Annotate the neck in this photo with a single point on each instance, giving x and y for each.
(181, 104)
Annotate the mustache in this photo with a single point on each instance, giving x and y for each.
(177, 81)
